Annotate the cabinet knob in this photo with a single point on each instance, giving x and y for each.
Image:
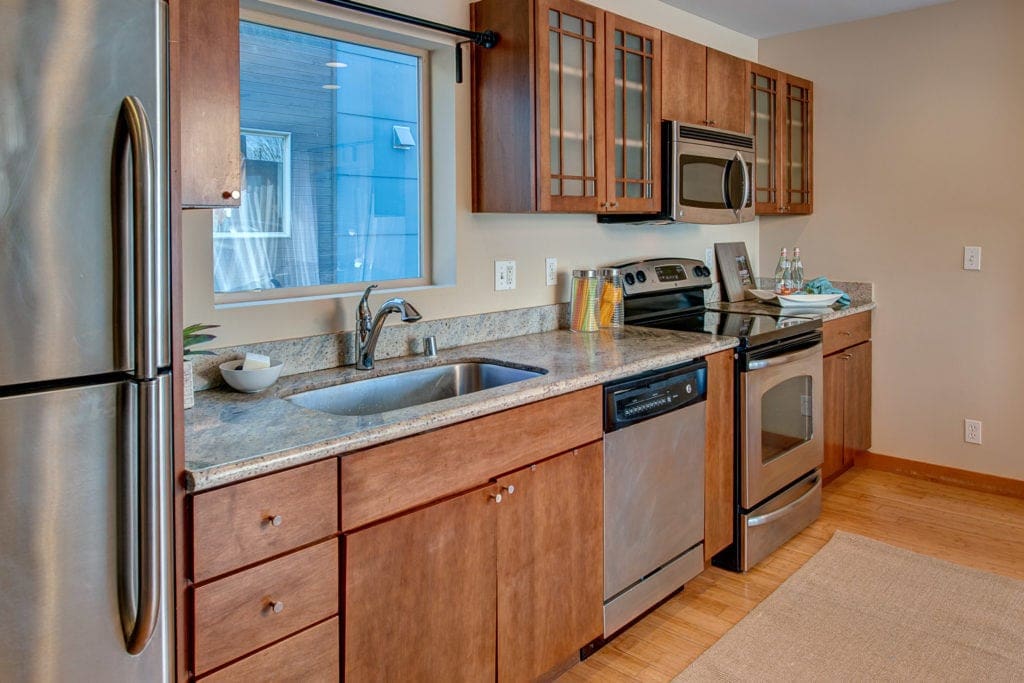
(845, 333)
(614, 204)
(276, 606)
(231, 194)
(510, 489)
(496, 497)
(275, 520)
(711, 123)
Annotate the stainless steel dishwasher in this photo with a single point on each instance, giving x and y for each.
(653, 488)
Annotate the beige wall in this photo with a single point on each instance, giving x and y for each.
(919, 138)
(481, 238)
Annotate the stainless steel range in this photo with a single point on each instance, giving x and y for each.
(778, 412)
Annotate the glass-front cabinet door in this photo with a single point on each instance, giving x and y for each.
(634, 116)
(571, 94)
(781, 120)
(797, 178)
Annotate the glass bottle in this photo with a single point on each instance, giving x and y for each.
(583, 303)
(782, 273)
(611, 305)
(797, 270)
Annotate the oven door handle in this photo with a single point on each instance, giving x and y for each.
(770, 517)
(785, 358)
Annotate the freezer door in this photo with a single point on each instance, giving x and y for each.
(68, 506)
(67, 273)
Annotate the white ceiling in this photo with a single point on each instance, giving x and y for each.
(766, 18)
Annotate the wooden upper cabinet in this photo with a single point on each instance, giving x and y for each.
(727, 93)
(703, 86)
(634, 116)
(565, 119)
(206, 82)
(781, 115)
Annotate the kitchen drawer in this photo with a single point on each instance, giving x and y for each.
(844, 332)
(236, 614)
(313, 656)
(243, 523)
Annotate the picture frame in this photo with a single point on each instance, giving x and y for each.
(734, 270)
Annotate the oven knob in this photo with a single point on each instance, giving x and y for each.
(630, 280)
(641, 276)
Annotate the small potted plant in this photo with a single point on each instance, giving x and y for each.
(193, 335)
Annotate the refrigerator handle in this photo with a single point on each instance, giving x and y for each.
(134, 148)
(140, 532)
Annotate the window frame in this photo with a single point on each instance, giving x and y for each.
(426, 231)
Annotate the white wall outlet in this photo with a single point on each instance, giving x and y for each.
(709, 258)
(972, 431)
(551, 270)
(972, 258)
(504, 275)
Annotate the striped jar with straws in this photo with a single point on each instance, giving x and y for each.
(583, 304)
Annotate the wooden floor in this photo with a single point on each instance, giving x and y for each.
(976, 529)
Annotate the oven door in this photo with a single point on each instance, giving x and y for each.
(780, 420)
(710, 185)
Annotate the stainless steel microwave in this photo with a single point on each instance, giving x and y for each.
(707, 178)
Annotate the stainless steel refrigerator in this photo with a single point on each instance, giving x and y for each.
(85, 384)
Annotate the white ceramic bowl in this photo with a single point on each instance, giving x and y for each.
(250, 381)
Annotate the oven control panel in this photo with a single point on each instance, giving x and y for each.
(663, 275)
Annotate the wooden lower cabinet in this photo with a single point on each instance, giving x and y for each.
(550, 562)
(420, 594)
(718, 455)
(502, 580)
(847, 404)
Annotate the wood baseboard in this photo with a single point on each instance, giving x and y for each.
(978, 481)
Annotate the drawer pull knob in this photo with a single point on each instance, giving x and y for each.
(275, 520)
(845, 333)
(510, 489)
(496, 497)
(231, 194)
(277, 606)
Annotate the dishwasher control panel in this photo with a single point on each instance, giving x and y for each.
(652, 394)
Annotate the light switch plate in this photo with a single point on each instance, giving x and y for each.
(972, 258)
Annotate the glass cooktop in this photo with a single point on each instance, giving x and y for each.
(752, 329)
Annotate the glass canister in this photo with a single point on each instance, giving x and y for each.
(611, 310)
(583, 304)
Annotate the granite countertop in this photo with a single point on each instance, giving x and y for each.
(231, 436)
(857, 305)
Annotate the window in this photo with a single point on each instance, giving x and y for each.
(333, 167)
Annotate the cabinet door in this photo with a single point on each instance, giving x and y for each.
(550, 561)
(857, 402)
(718, 455)
(570, 105)
(208, 95)
(797, 175)
(764, 84)
(833, 403)
(684, 80)
(633, 169)
(727, 92)
(420, 594)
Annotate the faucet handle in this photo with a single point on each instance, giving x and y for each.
(364, 305)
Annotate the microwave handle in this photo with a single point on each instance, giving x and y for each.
(738, 158)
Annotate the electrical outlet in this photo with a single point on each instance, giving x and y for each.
(504, 275)
(972, 258)
(551, 270)
(972, 431)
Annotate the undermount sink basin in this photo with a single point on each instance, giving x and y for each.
(411, 388)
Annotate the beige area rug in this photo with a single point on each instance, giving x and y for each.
(861, 610)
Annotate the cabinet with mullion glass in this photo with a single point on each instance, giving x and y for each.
(582, 86)
(781, 121)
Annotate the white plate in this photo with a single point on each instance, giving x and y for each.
(808, 299)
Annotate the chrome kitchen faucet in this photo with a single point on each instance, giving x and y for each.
(368, 327)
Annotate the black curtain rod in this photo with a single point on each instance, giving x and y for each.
(482, 38)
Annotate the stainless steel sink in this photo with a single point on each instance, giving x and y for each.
(411, 388)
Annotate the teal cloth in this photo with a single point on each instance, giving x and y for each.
(821, 285)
